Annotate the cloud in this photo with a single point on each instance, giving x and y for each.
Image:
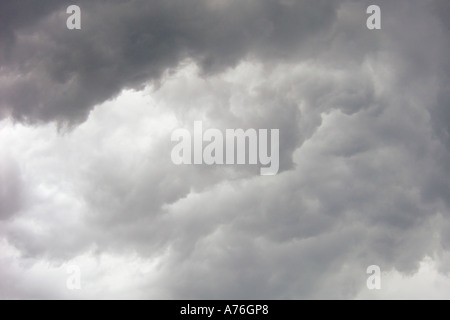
(124, 44)
(363, 143)
(10, 188)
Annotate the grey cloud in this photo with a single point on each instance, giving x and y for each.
(127, 43)
(11, 188)
(364, 145)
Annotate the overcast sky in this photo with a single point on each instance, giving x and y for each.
(86, 176)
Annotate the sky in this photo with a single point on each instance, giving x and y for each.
(87, 180)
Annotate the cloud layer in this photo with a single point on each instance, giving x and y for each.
(364, 142)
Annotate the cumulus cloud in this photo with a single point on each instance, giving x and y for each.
(364, 148)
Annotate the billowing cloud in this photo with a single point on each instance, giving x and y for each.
(123, 44)
(364, 148)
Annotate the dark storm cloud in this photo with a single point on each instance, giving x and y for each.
(16, 15)
(51, 73)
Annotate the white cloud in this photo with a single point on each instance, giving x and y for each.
(426, 284)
